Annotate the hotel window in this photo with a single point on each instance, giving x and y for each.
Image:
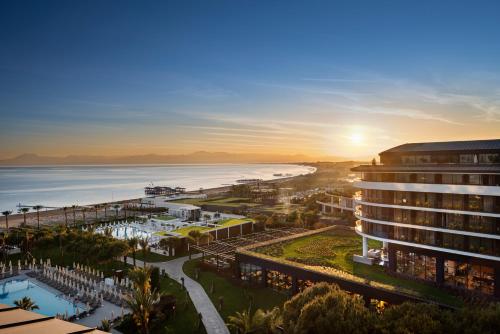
(454, 221)
(423, 159)
(402, 177)
(408, 160)
(472, 277)
(466, 158)
(489, 158)
(425, 178)
(415, 265)
(452, 179)
(475, 203)
(453, 201)
(425, 199)
(475, 179)
(453, 241)
(402, 198)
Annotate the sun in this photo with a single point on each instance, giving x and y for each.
(356, 138)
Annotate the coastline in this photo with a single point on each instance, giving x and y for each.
(56, 215)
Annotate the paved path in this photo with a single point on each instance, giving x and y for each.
(214, 324)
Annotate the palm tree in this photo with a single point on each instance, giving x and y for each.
(195, 235)
(141, 304)
(116, 207)
(83, 214)
(26, 303)
(142, 299)
(96, 208)
(144, 243)
(37, 208)
(6, 214)
(65, 209)
(105, 325)
(74, 214)
(125, 211)
(261, 321)
(24, 211)
(132, 243)
(105, 205)
(108, 232)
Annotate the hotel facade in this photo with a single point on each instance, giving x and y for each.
(436, 208)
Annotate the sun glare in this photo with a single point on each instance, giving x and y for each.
(356, 138)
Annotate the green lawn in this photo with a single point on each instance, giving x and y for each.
(221, 201)
(184, 231)
(152, 257)
(236, 298)
(233, 221)
(336, 248)
(186, 318)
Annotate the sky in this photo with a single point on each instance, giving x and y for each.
(322, 78)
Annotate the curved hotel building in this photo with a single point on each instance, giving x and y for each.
(436, 208)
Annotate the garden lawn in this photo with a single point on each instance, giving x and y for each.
(151, 257)
(236, 298)
(184, 231)
(335, 249)
(186, 317)
(233, 221)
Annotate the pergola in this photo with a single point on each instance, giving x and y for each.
(225, 249)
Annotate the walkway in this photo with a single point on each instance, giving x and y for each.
(214, 324)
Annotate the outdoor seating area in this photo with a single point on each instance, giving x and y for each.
(84, 284)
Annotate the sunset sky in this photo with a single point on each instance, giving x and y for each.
(347, 79)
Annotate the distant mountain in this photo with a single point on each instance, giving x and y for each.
(30, 159)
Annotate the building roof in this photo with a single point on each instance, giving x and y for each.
(14, 320)
(469, 145)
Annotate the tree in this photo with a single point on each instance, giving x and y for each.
(416, 318)
(37, 208)
(471, 320)
(105, 205)
(26, 303)
(116, 207)
(83, 214)
(144, 244)
(324, 308)
(105, 325)
(132, 243)
(142, 299)
(65, 209)
(6, 214)
(245, 322)
(155, 278)
(24, 211)
(74, 214)
(195, 235)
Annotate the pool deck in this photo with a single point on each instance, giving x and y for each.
(106, 311)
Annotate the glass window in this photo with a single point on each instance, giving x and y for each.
(475, 179)
(408, 160)
(423, 159)
(466, 158)
(475, 203)
(489, 158)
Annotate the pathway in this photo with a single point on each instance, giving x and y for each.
(214, 324)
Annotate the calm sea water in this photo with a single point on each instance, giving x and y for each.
(67, 185)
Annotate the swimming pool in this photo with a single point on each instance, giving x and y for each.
(49, 303)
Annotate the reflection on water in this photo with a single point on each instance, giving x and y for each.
(82, 185)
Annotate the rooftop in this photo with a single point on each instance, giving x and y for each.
(469, 145)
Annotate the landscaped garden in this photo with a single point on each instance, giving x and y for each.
(335, 249)
(235, 297)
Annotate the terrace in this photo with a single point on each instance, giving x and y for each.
(326, 254)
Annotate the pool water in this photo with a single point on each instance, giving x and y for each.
(49, 304)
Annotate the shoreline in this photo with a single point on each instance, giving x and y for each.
(56, 215)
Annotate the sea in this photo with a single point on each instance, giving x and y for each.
(57, 186)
